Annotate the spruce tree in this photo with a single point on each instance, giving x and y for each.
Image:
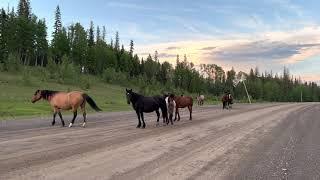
(98, 38)
(131, 48)
(57, 24)
(104, 33)
(117, 43)
(24, 9)
(91, 35)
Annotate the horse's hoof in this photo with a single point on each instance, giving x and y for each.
(52, 124)
(84, 125)
(144, 126)
(139, 126)
(70, 125)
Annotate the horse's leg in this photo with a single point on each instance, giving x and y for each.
(175, 116)
(138, 114)
(178, 115)
(142, 119)
(190, 111)
(74, 117)
(170, 118)
(54, 118)
(158, 116)
(62, 121)
(83, 109)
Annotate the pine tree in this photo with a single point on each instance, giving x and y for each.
(156, 56)
(3, 35)
(41, 43)
(24, 9)
(57, 24)
(91, 35)
(98, 38)
(79, 45)
(117, 43)
(131, 48)
(111, 43)
(104, 33)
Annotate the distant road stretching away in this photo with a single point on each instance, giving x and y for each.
(259, 141)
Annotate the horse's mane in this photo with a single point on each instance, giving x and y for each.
(45, 94)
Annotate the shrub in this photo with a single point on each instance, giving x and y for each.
(110, 75)
(84, 82)
(52, 68)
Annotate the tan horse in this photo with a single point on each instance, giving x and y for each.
(182, 102)
(65, 101)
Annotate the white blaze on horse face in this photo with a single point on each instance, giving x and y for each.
(70, 125)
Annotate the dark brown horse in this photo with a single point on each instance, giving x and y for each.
(66, 101)
(183, 102)
(227, 101)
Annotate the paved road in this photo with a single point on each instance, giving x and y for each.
(261, 141)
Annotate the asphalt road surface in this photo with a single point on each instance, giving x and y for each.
(259, 141)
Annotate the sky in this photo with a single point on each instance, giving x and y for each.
(243, 34)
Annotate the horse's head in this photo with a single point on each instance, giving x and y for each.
(165, 95)
(129, 95)
(37, 96)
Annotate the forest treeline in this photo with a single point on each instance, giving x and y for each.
(77, 50)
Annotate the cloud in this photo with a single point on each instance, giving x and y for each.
(166, 55)
(271, 50)
(208, 48)
(172, 48)
(261, 50)
(132, 6)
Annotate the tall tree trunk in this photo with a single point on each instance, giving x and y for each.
(42, 59)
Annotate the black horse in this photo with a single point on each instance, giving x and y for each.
(143, 104)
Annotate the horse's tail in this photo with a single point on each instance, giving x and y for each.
(91, 102)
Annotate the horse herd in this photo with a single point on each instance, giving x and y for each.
(169, 104)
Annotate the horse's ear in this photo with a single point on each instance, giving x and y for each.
(126, 90)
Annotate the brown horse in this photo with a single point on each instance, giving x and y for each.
(182, 102)
(227, 101)
(65, 101)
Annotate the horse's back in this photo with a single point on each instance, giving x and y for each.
(183, 101)
(67, 100)
(150, 104)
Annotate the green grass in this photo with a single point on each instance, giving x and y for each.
(17, 89)
(16, 94)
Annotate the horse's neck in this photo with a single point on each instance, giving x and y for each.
(135, 98)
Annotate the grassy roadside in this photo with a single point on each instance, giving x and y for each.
(15, 96)
(16, 91)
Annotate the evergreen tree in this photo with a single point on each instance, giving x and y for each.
(24, 9)
(57, 24)
(156, 59)
(91, 35)
(41, 47)
(117, 43)
(131, 48)
(104, 33)
(98, 38)
(79, 45)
